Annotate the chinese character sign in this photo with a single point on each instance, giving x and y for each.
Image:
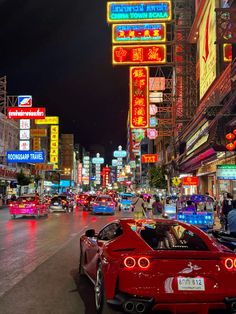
(139, 113)
(138, 33)
(139, 54)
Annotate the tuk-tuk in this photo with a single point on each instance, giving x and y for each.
(125, 202)
(197, 210)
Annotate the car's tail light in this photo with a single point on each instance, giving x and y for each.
(33, 204)
(129, 262)
(95, 204)
(111, 204)
(139, 262)
(143, 262)
(230, 263)
(10, 204)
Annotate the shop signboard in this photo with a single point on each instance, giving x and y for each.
(156, 97)
(25, 156)
(38, 132)
(138, 11)
(138, 54)
(139, 104)
(120, 153)
(207, 47)
(152, 134)
(190, 181)
(227, 52)
(44, 167)
(25, 101)
(25, 113)
(36, 143)
(24, 145)
(149, 158)
(153, 109)
(24, 124)
(226, 172)
(48, 120)
(114, 162)
(24, 134)
(157, 83)
(138, 33)
(153, 122)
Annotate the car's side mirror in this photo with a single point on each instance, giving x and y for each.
(90, 233)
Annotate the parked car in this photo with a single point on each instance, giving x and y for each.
(103, 204)
(28, 205)
(59, 203)
(140, 266)
(125, 202)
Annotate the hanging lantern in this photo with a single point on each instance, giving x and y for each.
(234, 131)
(230, 146)
(230, 136)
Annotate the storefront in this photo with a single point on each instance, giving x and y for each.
(7, 181)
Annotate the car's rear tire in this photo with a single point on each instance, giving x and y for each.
(100, 299)
(38, 214)
(13, 216)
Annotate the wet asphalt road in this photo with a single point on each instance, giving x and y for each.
(39, 264)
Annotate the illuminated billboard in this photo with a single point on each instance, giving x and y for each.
(139, 105)
(25, 113)
(136, 11)
(138, 33)
(54, 144)
(139, 54)
(48, 120)
(227, 52)
(207, 47)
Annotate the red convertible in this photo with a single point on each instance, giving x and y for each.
(139, 266)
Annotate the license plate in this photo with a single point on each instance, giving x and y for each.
(56, 204)
(191, 284)
(21, 206)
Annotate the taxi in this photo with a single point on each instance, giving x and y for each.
(28, 205)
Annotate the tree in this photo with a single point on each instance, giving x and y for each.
(156, 177)
(22, 179)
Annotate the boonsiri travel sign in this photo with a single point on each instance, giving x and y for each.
(26, 156)
(133, 11)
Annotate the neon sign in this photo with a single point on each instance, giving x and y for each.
(133, 54)
(133, 33)
(135, 11)
(139, 115)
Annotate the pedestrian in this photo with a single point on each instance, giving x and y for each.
(231, 220)
(226, 208)
(139, 206)
(148, 205)
(157, 207)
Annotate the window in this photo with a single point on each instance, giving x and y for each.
(110, 232)
(172, 237)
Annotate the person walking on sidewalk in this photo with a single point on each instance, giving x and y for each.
(139, 206)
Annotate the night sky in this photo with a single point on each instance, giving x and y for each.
(59, 51)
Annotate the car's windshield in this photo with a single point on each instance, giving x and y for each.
(104, 199)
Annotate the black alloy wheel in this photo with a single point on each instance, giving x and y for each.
(100, 299)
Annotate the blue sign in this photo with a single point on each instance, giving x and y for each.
(98, 160)
(153, 121)
(64, 183)
(26, 156)
(25, 101)
(119, 153)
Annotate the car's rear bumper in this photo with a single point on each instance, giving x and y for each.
(57, 208)
(137, 305)
(103, 210)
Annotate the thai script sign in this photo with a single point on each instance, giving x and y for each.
(28, 113)
(132, 11)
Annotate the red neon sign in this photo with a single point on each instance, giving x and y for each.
(190, 181)
(139, 54)
(139, 106)
(25, 113)
(149, 158)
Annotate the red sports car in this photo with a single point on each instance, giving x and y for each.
(166, 266)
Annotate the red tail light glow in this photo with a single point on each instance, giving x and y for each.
(129, 262)
(143, 262)
(33, 204)
(111, 204)
(230, 263)
(10, 204)
(95, 204)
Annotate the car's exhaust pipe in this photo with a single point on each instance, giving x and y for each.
(140, 308)
(129, 307)
(233, 307)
